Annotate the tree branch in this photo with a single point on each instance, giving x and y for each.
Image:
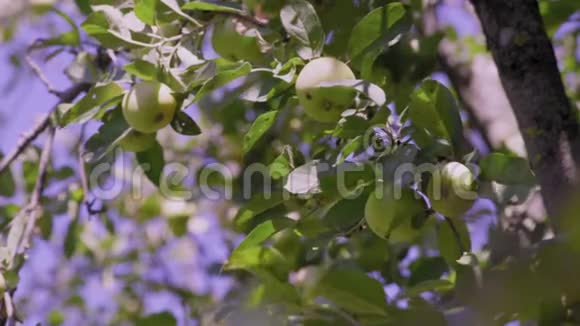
(39, 73)
(28, 137)
(528, 70)
(34, 208)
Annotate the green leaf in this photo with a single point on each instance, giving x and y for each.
(45, 226)
(146, 10)
(300, 21)
(260, 126)
(434, 113)
(30, 173)
(351, 146)
(263, 232)
(274, 290)
(107, 25)
(262, 84)
(212, 6)
(84, 6)
(142, 69)
(345, 214)
(72, 238)
(353, 126)
(184, 124)
(426, 269)
(256, 257)
(69, 38)
(258, 204)
(346, 179)
(422, 315)
(7, 184)
(152, 163)
(377, 29)
(340, 17)
(352, 290)
(506, 169)
(556, 12)
(158, 319)
(429, 286)
(55, 318)
(223, 78)
(280, 167)
(174, 6)
(447, 240)
(178, 225)
(113, 129)
(97, 99)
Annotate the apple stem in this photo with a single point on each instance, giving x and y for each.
(456, 234)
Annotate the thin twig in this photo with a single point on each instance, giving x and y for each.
(33, 210)
(89, 203)
(28, 137)
(9, 306)
(40, 74)
(34, 207)
(456, 234)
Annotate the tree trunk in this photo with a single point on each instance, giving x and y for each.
(528, 70)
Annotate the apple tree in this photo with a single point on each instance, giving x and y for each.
(307, 162)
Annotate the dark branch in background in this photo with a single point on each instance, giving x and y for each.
(529, 73)
(64, 97)
(478, 85)
(31, 213)
(28, 137)
(34, 207)
(36, 69)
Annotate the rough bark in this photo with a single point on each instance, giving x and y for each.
(528, 70)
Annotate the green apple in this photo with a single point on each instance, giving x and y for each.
(324, 104)
(136, 141)
(389, 213)
(452, 189)
(149, 106)
(234, 41)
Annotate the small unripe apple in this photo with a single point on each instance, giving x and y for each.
(233, 40)
(389, 214)
(324, 104)
(451, 189)
(136, 141)
(149, 106)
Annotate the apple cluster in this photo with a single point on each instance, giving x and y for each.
(390, 212)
